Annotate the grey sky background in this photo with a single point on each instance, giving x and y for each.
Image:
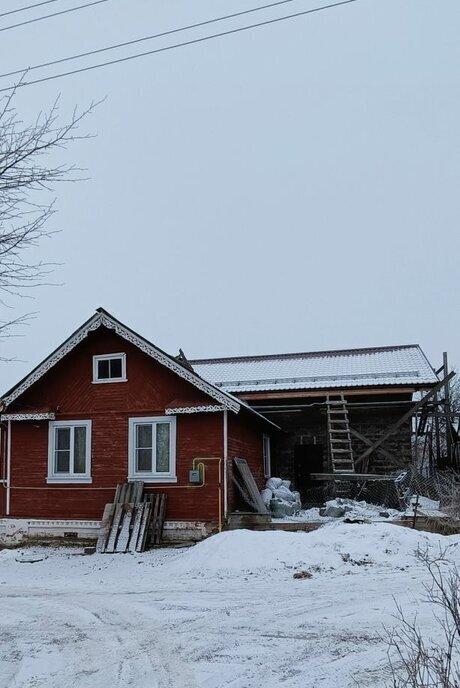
(290, 188)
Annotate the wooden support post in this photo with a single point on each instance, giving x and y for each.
(447, 410)
(433, 391)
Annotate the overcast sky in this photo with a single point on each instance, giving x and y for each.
(289, 188)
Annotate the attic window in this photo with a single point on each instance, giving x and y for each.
(109, 368)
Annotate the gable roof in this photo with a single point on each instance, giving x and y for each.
(372, 367)
(103, 319)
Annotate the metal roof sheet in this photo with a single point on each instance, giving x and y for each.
(383, 366)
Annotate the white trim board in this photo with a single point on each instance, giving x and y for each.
(27, 416)
(194, 409)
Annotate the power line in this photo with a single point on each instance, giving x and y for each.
(178, 45)
(145, 38)
(28, 7)
(54, 14)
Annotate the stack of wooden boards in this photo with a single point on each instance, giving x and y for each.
(133, 521)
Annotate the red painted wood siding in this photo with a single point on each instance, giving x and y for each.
(68, 391)
(245, 440)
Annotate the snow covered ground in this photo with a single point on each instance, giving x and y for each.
(227, 613)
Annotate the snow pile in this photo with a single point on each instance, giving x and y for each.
(334, 546)
(279, 498)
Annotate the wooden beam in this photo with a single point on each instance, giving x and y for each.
(367, 441)
(348, 392)
(392, 429)
(351, 477)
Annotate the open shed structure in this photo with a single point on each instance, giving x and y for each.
(341, 412)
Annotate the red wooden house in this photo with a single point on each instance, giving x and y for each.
(108, 406)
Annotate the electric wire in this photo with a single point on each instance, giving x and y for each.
(28, 7)
(145, 38)
(54, 14)
(177, 45)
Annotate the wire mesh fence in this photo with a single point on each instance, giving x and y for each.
(397, 491)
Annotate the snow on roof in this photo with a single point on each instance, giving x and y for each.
(392, 365)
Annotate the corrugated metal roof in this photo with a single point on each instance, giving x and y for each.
(396, 365)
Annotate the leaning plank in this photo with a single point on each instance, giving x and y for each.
(250, 485)
(155, 511)
(123, 536)
(159, 521)
(138, 488)
(140, 533)
(123, 492)
(106, 523)
(139, 510)
(112, 541)
(244, 493)
(117, 493)
(156, 528)
(142, 539)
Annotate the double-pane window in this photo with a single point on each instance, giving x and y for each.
(152, 448)
(109, 368)
(69, 451)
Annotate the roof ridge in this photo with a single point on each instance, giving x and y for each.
(304, 354)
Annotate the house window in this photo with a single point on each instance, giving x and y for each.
(69, 452)
(109, 368)
(267, 456)
(152, 449)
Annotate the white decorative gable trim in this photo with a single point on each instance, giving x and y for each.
(194, 409)
(104, 319)
(27, 416)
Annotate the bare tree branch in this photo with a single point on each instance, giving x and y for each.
(27, 176)
(420, 661)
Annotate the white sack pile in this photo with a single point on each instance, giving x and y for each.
(280, 499)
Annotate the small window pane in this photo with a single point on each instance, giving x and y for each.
(79, 457)
(163, 447)
(62, 460)
(144, 436)
(143, 460)
(62, 438)
(103, 369)
(115, 367)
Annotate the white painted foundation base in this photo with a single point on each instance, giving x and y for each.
(14, 531)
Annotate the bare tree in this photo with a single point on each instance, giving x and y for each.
(420, 661)
(27, 176)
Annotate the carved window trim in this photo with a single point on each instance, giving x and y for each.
(27, 416)
(194, 409)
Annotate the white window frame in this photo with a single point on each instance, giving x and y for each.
(107, 357)
(152, 476)
(71, 477)
(267, 455)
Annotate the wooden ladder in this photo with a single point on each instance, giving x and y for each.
(340, 449)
